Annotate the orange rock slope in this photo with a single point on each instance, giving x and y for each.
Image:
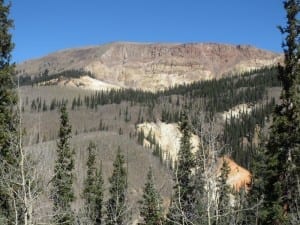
(238, 176)
(168, 137)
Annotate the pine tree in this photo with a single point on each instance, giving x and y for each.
(45, 108)
(239, 214)
(256, 191)
(223, 190)
(8, 124)
(62, 192)
(91, 174)
(141, 137)
(282, 197)
(18, 186)
(151, 209)
(98, 197)
(200, 190)
(182, 208)
(116, 204)
(93, 188)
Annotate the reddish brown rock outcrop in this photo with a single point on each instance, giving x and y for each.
(238, 176)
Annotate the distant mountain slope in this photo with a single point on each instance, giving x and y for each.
(152, 66)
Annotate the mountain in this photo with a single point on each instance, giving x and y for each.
(152, 66)
(230, 110)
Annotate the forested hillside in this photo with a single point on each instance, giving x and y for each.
(114, 115)
(121, 110)
(76, 156)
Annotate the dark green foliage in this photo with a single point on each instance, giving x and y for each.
(140, 117)
(200, 181)
(98, 197)
(62, 191)
(244, 127)
(213, 95)
(38, 104)
(7, 89)
(120, 131)
(241, 209)
(6, 38)
(223, 202)
(256, 189)
(102, 126)
(182, 206)
(169, 116)
(151, 205)
(74, 104)
(221, 95)
(116, 205)
(45, 76)
(127, 116)
(282, 164)
(33, 105)
(141, 137)
(45, 108)
(53, 104)
(186, 161)
(8, 124)
(93, 188)
(91, 174)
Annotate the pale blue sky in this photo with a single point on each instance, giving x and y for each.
(45, 26)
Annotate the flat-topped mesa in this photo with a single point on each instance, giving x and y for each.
(153, 66)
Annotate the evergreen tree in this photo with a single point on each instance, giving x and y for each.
(98, 215)
(239, 214)
(18, 189)
(200, 190)
(182, 208)
(62, 192)
(141, 137)
(91, 174)
(116, 204)
(7, 91)
(45, 108)
(223, 190)
(151, 209)
(282, 197)
(93, 188)
(256, 191)
(8, 124)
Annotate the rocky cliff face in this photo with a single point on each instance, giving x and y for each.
(153, 66)
(168, 137)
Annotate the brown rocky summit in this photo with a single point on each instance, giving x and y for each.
(153, 66)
